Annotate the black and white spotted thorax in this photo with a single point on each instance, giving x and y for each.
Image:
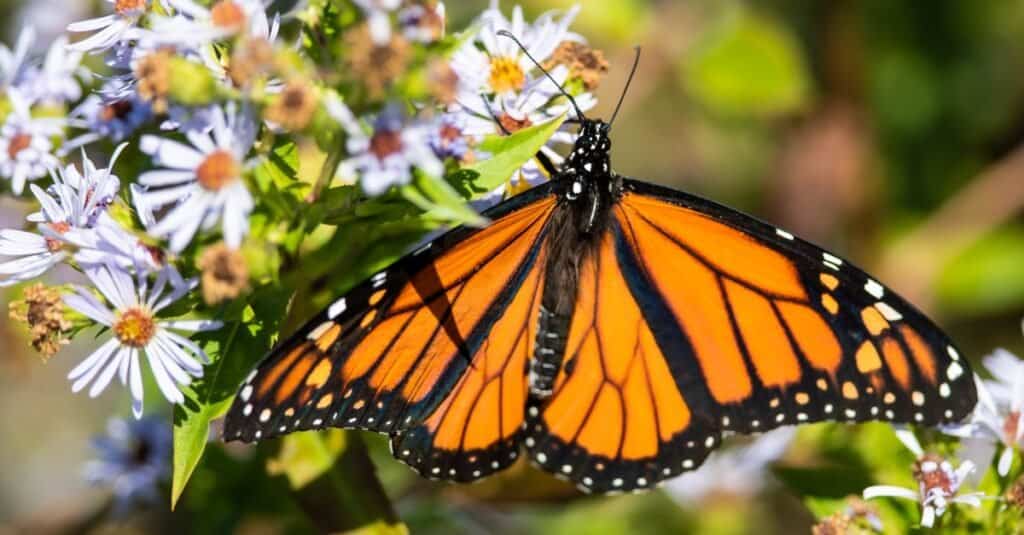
(588, 166)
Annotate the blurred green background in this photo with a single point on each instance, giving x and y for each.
(889, 131)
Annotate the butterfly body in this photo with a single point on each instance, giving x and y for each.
(613, 331)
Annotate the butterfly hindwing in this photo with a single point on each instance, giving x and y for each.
(629, 407)
(410, 351)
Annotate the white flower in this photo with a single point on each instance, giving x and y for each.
(938, 483)
(998, 418)
(203, 181)
(56, 81)
(739, 471)
(112, 29)
(173, 359)
(198, 25)
(501, 91)
(501, 67)
(13, 66)
(26, 152)
(73, 208)
(386, 157)
(378, 18)
(107, 116)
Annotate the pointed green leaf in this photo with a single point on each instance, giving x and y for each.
(507, 154)
(249, 332)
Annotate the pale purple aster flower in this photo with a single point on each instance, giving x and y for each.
(132, 459)
(998, 418)
(387, 156)
(378, 18)
(113, 29)
(72, 209)
(739, 471)
(203, 181)
(938, 483)
(111, 117)
(26, 151)
(56, 81)
(135, 330)
(448, 137)
(13, 63)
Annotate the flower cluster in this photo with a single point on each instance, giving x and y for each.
(204, 109)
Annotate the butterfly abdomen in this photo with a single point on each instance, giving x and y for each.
(548, 352)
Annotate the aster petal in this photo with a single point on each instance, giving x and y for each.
(87, 369)
(101, 39)
(89, 25)
(85, 303)
(192, 325)
(26, 265)
(928, 515)
(20, 243)
(889, 491)
(118, 362)
(188, 344)
(166, 177)
(164, 381)
(135, 383)
(182, 357)
(171, 153)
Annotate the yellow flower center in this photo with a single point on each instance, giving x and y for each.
(135, 327)
(218, 170)
(227, 14)
(506, 75)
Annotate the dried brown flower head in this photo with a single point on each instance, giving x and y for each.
(251, 59)
(153, 73)
(585, 63)
(442, 82)
(42, 309)
(376, 65)
(1015, 494)
(836, 524)
(294, 108)
(225, 274)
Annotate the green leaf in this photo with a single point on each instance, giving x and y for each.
(249, 332)
(748, 65)
(440, 201)
(306, 456)
(508, 153)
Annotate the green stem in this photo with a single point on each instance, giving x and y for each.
(328, 170)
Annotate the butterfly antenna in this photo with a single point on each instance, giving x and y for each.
(506, 33)
(622, 97)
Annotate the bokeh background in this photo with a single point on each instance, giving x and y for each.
(889, 131)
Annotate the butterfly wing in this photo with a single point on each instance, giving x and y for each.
(733, 325)
(432, 351)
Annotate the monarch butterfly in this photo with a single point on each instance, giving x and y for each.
(613, 330)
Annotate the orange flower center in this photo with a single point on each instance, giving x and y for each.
(506, 75)
(218, 170)
(129, 7)
(1011, 427)
(513, 125)
(135, 327)
(116, 110)
(18, 143)
(385, 143)
(228, 15)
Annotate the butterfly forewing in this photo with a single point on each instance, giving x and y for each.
(410, 342)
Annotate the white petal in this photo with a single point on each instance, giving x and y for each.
(172, 154)
(135, 383)
(85, 303)
(909, 440)
(166, 177)
(163, 378)
(91, 24)
(108, 373)
(889, 491)
(188, 344)
(192, 325)
(928, 516)
(87, 369)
